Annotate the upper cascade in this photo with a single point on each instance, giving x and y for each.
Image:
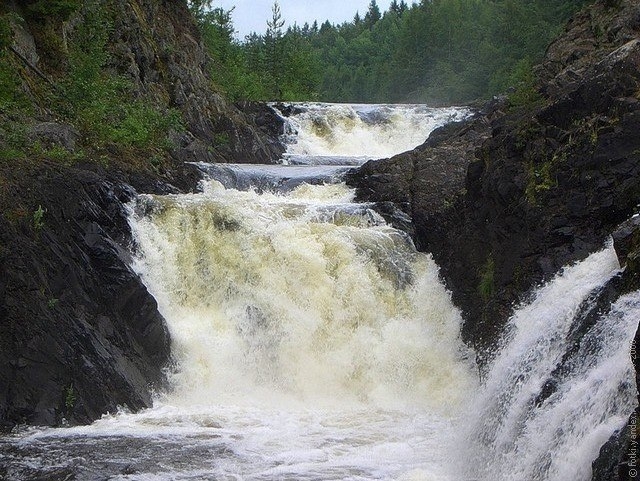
(354, 133)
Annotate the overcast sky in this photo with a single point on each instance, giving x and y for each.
(252, 15)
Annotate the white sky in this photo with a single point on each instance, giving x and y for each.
(252, 15)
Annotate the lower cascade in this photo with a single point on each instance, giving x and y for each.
(311, 341)
(303, 298)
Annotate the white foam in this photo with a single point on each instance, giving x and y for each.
(363, 131)
(519, 435)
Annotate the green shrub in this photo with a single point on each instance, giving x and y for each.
(69, 398)
(11, 95)
(10, 154)
(539, 179)
(38, 216)
(522, 79)
(141, 126)
(13, 141)
(486, 285)
(222, 139)
(99, 102)
(6, 33)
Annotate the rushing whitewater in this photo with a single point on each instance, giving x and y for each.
(352, 133)
(561, 384)
(303, 298)
(310, 341)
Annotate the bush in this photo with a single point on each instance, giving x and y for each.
(100, 102)
(144, 126)
(522, 78)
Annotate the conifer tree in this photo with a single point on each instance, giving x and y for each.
(373, 14)
(273, 40)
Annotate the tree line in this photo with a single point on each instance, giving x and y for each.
(432, 51)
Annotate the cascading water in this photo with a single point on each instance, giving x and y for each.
(301, 297)
(349, 134)
(312, 342)
(562, 383)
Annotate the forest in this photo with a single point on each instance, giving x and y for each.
(434, 51)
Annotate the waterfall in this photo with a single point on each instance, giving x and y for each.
(311, 341)
(305, 297)
(561, 383)
(352, 133)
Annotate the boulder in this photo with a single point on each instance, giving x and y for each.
(52, 134)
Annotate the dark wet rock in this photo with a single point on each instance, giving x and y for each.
(613, 462)
(287, 110)
(626, 239)
(428, 179)
(394, 216)
(79, 333)
(265, 117)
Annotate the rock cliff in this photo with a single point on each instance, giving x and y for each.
(79, 333)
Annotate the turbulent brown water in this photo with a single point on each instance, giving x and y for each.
(311, 341)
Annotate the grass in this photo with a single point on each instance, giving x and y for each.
(38, 218)
(69, 398)
(486, 284)
(540, 179)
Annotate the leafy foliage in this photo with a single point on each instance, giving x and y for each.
(10, 95)
(79, 89)
(486, 284)
(38, 216)
(6, 35)
(100, 102)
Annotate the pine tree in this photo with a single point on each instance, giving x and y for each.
(273, 40)
(373, 14)
(274, 26)
(199, 8)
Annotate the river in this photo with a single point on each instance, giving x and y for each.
(311, 341)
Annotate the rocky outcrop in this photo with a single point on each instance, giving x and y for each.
(79, 333)
(157, 46)
(427, 180)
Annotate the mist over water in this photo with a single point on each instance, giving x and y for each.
(311, 341)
